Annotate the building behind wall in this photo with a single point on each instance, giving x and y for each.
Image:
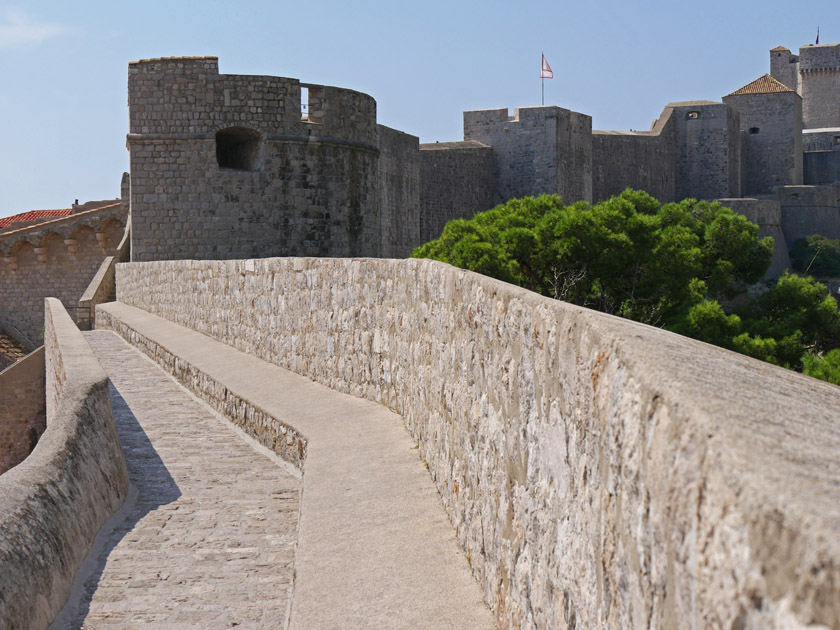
(229, 166)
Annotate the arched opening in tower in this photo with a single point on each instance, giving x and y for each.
(238, 148)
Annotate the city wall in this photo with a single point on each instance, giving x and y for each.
(399, 192)
(537, 150)
(809, 210)
(643, 160)
(767, 215)
(594, 476)
(708, 154)
(54, 259)
(54, 502)
(457, 183)
(22, 409)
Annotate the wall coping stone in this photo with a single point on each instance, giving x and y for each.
(54, 502)
(692, 483)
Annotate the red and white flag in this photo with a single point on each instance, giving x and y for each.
(545, 71)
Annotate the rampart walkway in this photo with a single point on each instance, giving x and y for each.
(210, 541)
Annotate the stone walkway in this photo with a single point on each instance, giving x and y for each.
(209, 540)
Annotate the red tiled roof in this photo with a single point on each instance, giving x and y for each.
(779, 49)
(763, 85)
(33, 215)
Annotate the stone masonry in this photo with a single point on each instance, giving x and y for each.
(53, 259)
(208, 542)
(227, 166)
(595, 477)
(22, 409)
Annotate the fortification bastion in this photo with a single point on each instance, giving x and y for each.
(229, 166)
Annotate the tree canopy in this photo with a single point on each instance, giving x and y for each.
(816, 255)
(669, 265)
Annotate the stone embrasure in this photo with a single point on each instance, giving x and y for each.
(599, 473)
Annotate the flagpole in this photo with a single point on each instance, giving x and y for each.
(542, 78)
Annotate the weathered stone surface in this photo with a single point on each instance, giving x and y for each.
(71, 250)
(209, 540)
(310, 188)
(370, 514)
(22, 409)
(54, 502)
(599, 473)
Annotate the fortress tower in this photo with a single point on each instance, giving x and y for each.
(228, 166)
(537, 150)
(815, 75)
(770, 115)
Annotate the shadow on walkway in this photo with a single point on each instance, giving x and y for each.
(152, 487)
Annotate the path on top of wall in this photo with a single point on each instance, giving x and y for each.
(375, 548)
(209, 540)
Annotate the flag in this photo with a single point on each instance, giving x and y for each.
(818, 35)
(545, 71)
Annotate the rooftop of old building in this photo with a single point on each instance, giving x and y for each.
(763, 85)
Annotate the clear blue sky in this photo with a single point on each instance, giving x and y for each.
(64, 64)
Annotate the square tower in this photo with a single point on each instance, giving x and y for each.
(770, 116)
(537, 150)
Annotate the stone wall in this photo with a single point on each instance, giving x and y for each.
(821, 163)
(54, 259)
(537, 150)
(22, 409)
(708, 150)
(784, 67)
(809, 210)
(644, 160)
(598, 472)
(819, 85)
(457, 183)
(54, 502)
(771, 125)
(767, 215)
(227, 166)
(399, 192)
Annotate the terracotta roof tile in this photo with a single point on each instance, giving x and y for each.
(779, 49)
(762, 85)
(33, 215)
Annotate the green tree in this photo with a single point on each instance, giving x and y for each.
(629, 255)
(816, 255)
(799, 314)
(825, 367)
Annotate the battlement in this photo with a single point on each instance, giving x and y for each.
(546, 149)
(819, 57)
(232, 166)
(187, 95)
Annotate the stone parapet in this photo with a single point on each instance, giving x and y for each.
(22, 408)
(598, 472)
(54, 502)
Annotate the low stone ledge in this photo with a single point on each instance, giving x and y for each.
(54, 502)
(270, 432)
(598, 472)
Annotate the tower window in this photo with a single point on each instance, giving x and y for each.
(692, 115)
(238, 148)
(753, 130)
